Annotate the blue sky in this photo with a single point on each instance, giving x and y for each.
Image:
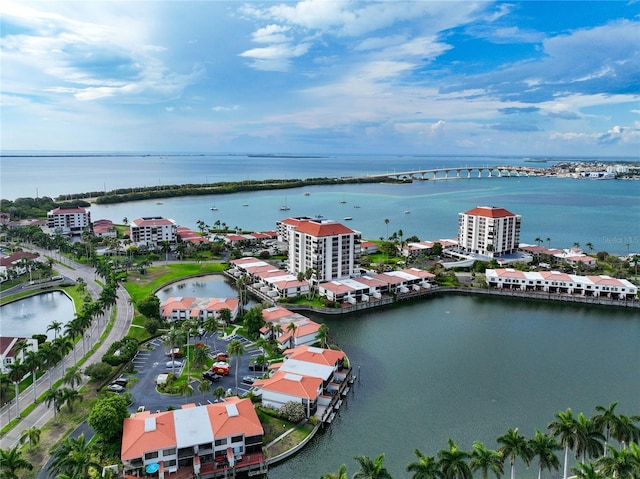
(320, 76)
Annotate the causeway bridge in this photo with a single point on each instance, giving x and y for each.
(463, 172)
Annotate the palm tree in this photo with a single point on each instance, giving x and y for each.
(68, 396)
(538, 240)
(173, 337)
(32, 435)
(322, 335)
(72, 330)
(11, 462)
(15, 374)
(371, 469)
(548, 242)
(486, 460)
(56, 327)
(386, 222)
(73, 376)
(73, 457)
(453, 462)
(185, 389)
(564, 430)
(341, 474)
(210, 325)
(236, 349)
(55, 397)
(514, 445)
(589, 441)
(63, 345)
(426, 467)
(543, 446)
(608, 421)
(224, 315)
(586, 471)
(32, 362)
(200, 356)
(621, 464)
(627, 432)
(204, 387)
(291, 329)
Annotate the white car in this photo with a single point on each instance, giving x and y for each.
(115, 388)
(172, 364)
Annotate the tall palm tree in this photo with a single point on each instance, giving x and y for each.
(606, 421)
(210, 325)
(32, 435)
(200, 356)
(56, 327)
(514, 445)
(543, 447)
(628, 432)
(50, 357)
(63, 345)
(486, 460)
(218, 393)
(291, 329)
(586, 471)
(204, 387)
(32, 362)
(11, 462)
(589, 441)
(73, 330)
(371, 469)
(453, 462)
(426, 467)
(621, 464)
(564, 430)
(341, 474)
(69, 396)
(173, 338)
(322, 335)
(16, 373)
(235, 348)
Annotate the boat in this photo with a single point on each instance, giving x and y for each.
(159, 203)
(348, 218)
(356, 206)
(306, 193)
(214, 208)
(406, 212)
(285, 207)
(245, 204)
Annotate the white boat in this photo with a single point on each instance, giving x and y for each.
(285, 207)
(306, 193)
(406, 212)
(348, 218)
(245, 204)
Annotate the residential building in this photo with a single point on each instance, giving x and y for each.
(329, 249)
(152, 231)
(290, 329)
(489, 231)
(215, 440)
(16, 263)
(104, 229)
(180, 308)
(71, 221)
(8, 350)
(563, 283)
(266, 280)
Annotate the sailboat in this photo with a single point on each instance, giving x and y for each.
(285, 207)
(214, 208)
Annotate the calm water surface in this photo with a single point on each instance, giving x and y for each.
(32, 315)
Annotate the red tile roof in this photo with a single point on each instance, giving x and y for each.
(489, 212)
(318, 230)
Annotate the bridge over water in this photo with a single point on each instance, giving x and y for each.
(463, 172)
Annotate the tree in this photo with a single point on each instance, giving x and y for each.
(149, 306)
(107, 416)
(69, 396)
(453, 462)
(98, 371)
(50, 357)
(586, 471)
(32, 435)
(218, 393)
(56, 327)
(15, 374)
(322, 335)
(564, 430)
(514, 445)
(253, 321)
(486, 460)
(11, 462)
(73, 377)
(73, 457)
(55, 397)
(589, 441)
(621, 464)
(341, 474)
(371, 469)
(32, 362)
(608, 421)
(543, 447)
(426, 467)
(174, 337)
(224, 315)
(236, 349)
(200, 355)
(291, 329)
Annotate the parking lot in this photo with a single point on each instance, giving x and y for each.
(152, 360)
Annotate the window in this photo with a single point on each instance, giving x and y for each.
(221, 442)
(236, 439)
(169, 452)
(151, 455)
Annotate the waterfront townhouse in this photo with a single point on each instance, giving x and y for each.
(266, 280)
(152, 231)
(10, 351)
(558, 282)
(489, 231)
(72, 221)
(309, 375)
(288, 328)
(215, 440)
(329, 249)
(181, 308)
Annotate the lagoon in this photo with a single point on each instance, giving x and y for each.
(32, 315)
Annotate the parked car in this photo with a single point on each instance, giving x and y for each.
(248, 379)
(221, 356)
(120, 380)
(171, 364)
(257, 367)
(115, 388)
(211, 376)
(220, 368)
(176, 353)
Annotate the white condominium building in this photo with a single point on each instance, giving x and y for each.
(328, 248)
(152, 231)
(489, 231)
(69, 221)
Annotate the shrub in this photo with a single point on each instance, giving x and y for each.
(292, 412)
(121, 351)
(98, 371)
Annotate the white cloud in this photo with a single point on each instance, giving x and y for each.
(275, 57)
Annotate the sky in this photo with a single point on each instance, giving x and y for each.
(528, 78)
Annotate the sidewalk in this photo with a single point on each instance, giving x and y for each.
(41, 414)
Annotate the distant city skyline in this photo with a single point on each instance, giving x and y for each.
(530, 78)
